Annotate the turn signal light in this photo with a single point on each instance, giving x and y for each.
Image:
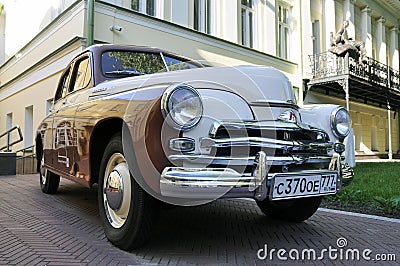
(182, 144)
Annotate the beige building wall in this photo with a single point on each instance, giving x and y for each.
(35, 89)
(28, 79)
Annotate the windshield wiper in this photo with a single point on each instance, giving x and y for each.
(127, 73)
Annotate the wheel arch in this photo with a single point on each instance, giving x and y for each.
(101, 135)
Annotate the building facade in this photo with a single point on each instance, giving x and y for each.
(291, 35)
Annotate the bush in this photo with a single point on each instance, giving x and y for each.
(388, 205)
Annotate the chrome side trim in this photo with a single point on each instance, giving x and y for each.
(263, 143)
(231, 160)
(257, 125)
(207, 159)
(281, 104)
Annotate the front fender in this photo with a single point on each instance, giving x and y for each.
(319, 116)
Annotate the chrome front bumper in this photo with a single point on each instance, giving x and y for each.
(212, 183)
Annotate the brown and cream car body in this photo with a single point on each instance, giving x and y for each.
(150, 126)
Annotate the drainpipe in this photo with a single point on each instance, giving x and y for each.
(2, 36)
(90, 23)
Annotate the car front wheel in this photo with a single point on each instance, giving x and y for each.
(126, 210)
(49, 181)
(293, 210)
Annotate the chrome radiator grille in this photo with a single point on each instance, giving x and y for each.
(236, 145)
(276, 138)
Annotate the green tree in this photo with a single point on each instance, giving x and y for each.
(146, 63)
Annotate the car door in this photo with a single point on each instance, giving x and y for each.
(47, 129)
(64, 138)
(65, 133)
(81, 80)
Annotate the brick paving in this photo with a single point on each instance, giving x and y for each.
(64, 229)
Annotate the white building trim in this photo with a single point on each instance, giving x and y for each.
(2, 34)
(40, 73)
(348, 14)
(394, 48)
(381, 40)
(366, 26)
(269, 33)
(328, 22)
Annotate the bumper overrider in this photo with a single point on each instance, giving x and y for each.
(210, 182)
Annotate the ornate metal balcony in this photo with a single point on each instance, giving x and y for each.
(370, 81)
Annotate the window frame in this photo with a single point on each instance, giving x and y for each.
(63, 85)
(247, 25)
(202, 16)
(67, 80)
(143, 6)
(73, 76)
(283, 45)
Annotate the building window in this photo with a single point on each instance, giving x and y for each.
(283, 31)
(316, 37)
(144, 6)
(202, 16)
(135, 5)
(247, 20)
(28, 130)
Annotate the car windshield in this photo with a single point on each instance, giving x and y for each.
(132, 63)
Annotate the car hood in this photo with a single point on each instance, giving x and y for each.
(255, 84)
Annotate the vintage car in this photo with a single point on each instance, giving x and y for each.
(150, 127)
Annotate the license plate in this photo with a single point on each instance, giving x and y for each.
(284, 187)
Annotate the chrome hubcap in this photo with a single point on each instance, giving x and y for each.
(117, 190)
(114, 190)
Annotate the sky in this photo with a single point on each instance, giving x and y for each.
(23, 21)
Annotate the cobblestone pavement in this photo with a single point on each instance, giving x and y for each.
(64, 229)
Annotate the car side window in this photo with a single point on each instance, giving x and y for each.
(62, 86)
(81, 77)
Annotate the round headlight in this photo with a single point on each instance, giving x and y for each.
(181, 106)
(341, 122)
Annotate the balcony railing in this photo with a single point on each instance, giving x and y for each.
(328, 66)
